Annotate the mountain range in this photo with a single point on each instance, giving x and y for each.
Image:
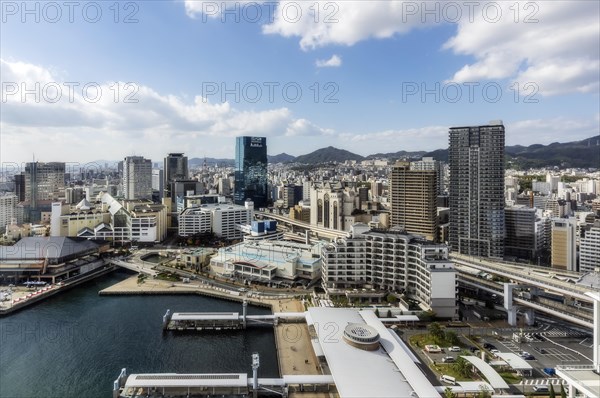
(581, 154)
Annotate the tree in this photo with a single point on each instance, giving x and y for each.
(389, 313)
(448, 393)
(377, 312)
(451, 338)
(391, 299)
(551, 394)
(462, 367)
(436, 332)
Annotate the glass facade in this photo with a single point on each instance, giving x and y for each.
(251, 171)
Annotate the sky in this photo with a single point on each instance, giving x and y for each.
(85, 80)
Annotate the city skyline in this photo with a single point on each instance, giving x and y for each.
(385, 78)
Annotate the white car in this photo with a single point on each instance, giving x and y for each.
(454, 349)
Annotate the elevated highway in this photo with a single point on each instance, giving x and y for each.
(580, 316)
(526, 276)
(319, 232)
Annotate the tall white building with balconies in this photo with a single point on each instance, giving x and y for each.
(589, 250)
(396, 262)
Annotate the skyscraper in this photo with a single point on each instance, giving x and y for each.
(44, 182)
(564, 243)
(175, 168)
(137, 178)
(413, 198)
(251, 171)
(476, 157)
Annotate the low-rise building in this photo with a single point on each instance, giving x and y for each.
(110, 219)
(265, 260)
(220, 218)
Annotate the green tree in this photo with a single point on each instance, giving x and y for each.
(448, 393)
(436, 332)
(389, 313)
(451, 338)
(377, 312)
(391, 299)
(551, 394)
(462, 367)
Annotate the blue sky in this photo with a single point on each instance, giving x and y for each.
(369, 65)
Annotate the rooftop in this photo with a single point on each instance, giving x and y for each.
(354, 370)
(53, 248)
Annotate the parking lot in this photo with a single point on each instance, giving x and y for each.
(549, 345)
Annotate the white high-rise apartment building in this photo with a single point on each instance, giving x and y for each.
(393, 261)
(589, 250)
(8, 206)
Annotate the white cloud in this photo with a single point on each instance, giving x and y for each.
(553, 44)
(559, 53)
(333, 62)
(303, 127)
(75, 128)
(546, 131)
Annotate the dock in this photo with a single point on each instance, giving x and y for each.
(295, 354)
(199, 321)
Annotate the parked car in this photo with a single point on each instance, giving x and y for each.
(550, 371)
(448, 359)
(454, 349)
(529, 358)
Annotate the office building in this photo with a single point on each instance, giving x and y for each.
(476, 157)
(158, 183)
(74, 195)
(175, 169)
(137, 178)
(20, 186)
(589, 249)
(292, 194)
(44, 182)
(563, 243)
(429, 163)
(251, 171)
(413, 195)
(524, 232)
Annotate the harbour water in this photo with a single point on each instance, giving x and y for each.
(75, 344)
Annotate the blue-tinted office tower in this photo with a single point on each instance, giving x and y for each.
(251, 171)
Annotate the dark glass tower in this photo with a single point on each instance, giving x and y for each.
(476, 157)
(175, 169)
(251, 171)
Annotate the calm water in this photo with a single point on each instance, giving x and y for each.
(75, 344)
